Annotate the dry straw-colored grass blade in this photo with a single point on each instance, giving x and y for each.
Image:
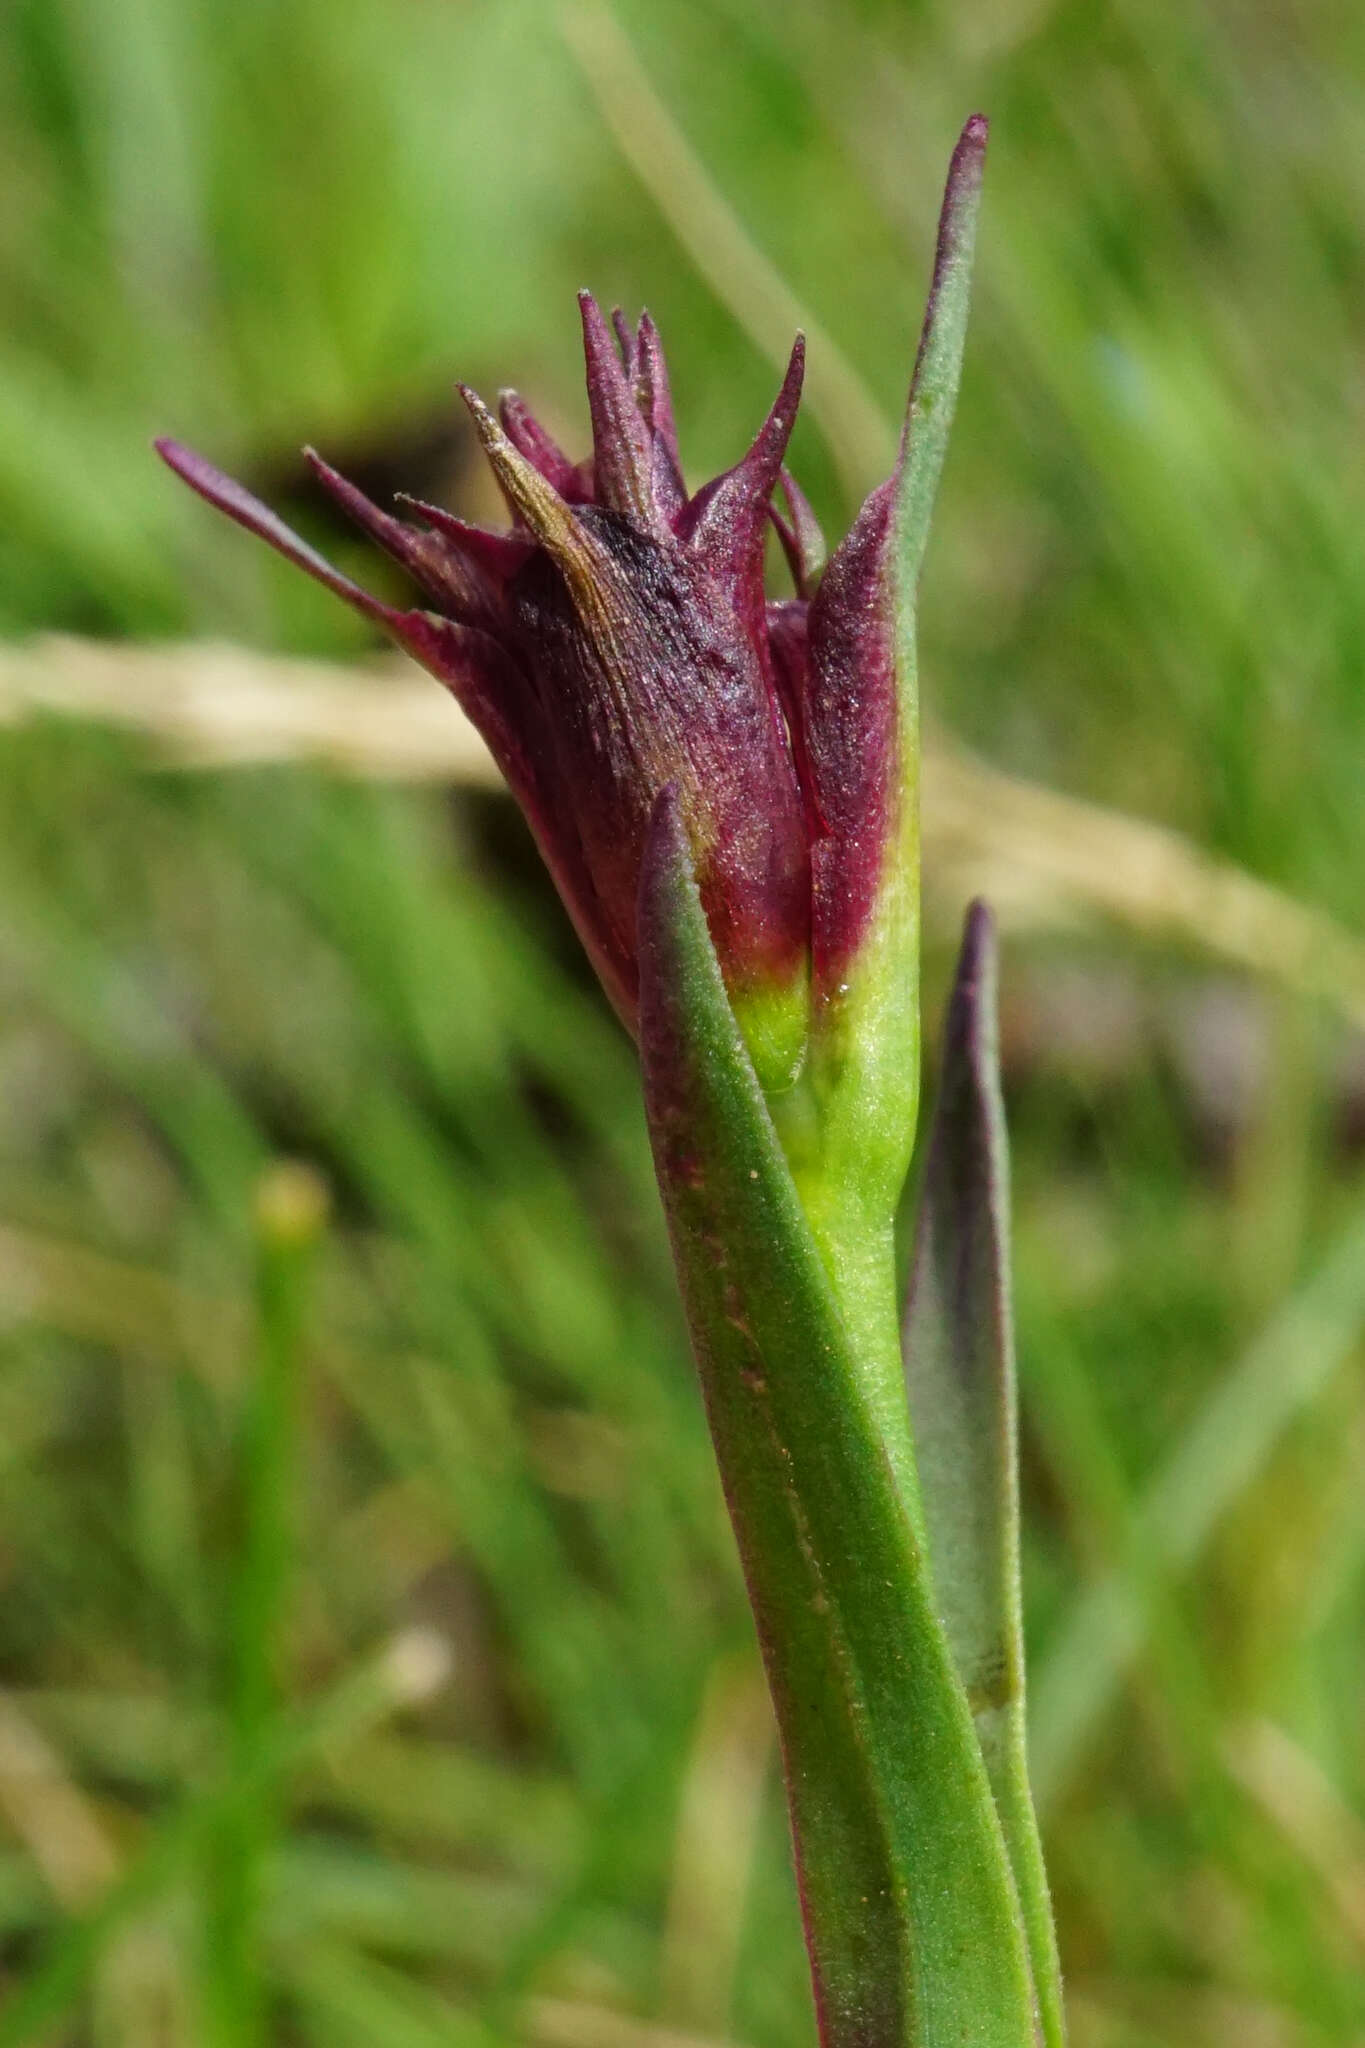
(1046, 861)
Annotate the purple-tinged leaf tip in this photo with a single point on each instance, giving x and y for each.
(957, 1339)
(958, 1348)
(956, 221)
(938, 364)
(958, 1342)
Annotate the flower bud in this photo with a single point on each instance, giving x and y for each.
(616, 641)
(612, 643)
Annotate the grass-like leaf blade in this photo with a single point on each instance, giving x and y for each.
(910, 1912)
(959, 1366)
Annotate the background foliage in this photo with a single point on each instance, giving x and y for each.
(375, 1667)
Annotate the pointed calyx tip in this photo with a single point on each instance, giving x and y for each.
(509, 465)
(529, 493)
(780, 421)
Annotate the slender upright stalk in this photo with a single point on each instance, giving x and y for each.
(290, 1212)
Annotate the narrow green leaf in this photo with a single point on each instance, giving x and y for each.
(850, 1129)
(290, 1216)
(959, 1368)
(853, 1153)
(910, 1913)
(938, 366)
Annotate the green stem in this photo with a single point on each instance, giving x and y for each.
(912, 1921)
(290, 1211)
(1006, 1754)
(859, 1256)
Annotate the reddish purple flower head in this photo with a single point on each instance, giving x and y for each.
(617, 640)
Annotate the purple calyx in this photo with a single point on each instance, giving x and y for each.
(618, 639)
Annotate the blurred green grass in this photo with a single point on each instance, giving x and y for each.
(429, 1714)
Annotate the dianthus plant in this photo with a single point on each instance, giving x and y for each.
(724, 788)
